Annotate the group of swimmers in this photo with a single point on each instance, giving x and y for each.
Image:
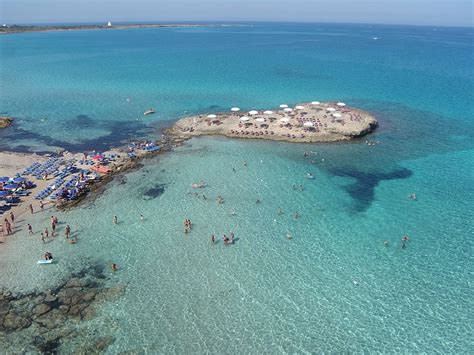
(225, 239)
(405, 240)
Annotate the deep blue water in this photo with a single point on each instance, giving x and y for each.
(70, 90)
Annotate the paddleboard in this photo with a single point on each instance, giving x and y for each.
(45, 261)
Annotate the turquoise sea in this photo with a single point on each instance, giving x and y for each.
(333, 287)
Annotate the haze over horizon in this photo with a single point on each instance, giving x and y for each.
(405, 12)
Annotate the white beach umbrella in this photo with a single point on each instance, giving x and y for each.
(260, 119)
(341, 104)
(299, 107)
(315, 103)
(287, 109)
(244, 118)
(268, 112)
(253, 112)
(337, 115)
(284, 119)
(331, 109)
(235, 109)
(283, 106)
(308, 124)
(211, 116)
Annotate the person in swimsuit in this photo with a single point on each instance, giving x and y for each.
(30, 229)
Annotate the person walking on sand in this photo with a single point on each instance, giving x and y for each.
(41, 205)
(8, 227)
(31, 208)
(30, 229)
(12, 217)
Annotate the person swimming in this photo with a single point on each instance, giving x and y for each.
(48, 256)
(213, 239)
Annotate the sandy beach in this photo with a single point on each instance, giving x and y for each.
(305, 123)
(12, 163)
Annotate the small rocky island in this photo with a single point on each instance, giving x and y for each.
(5, 122)
(307, 122)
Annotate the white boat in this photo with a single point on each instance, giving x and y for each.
(149, 112)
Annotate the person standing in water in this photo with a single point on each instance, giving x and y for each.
(67, 231)
(115, 220)
(31, 208)
(213, 239)
(46, 233)
(30, 229)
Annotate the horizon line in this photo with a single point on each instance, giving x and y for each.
(235, 22)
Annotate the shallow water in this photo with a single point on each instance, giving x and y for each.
(333, 287)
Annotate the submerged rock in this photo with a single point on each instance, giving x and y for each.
(41, 309)
(40, 321)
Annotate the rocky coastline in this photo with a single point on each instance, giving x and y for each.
(5, 121)
(43, 321)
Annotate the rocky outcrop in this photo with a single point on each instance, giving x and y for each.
(5, 122)
(46, 319)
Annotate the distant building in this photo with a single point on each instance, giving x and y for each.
(4, 25)
(109, 24)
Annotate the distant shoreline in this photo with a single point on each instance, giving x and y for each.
(56, 28)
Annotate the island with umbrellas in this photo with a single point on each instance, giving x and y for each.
(306, 122)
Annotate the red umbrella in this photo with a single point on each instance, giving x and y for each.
(98, 157)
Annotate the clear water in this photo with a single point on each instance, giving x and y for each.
(334, 287)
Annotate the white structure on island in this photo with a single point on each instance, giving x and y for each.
(109, 24)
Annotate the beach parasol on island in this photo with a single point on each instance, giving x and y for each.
(284, 119)
(308, 124)
(253, 112)
(287, 109)
(331, 109)
(315, 103)
(341, 104)
(235, 109)
(299, 107)
(283, 106)
(260, 119)
(211, 116)
(244, 118)
(268, 112)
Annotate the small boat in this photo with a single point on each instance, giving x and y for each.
(149, 112)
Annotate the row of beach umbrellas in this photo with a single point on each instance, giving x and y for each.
(282, 106)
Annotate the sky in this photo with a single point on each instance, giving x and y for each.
(414, 12)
